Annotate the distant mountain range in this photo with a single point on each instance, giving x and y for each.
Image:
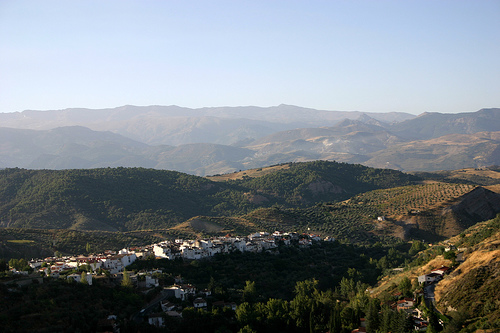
(211, 141)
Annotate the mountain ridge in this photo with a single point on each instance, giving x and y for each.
(465, 140)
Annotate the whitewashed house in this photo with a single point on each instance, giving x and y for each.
(156, 319)
(78, 277)
(200, 303)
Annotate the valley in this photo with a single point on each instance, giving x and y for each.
(249, 166)
(388, 228)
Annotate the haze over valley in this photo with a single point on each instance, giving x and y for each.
(219, 140)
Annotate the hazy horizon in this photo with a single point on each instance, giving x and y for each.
(367, 56)
(235, 106)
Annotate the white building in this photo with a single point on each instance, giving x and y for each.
(200, 303)
(78, 277)
(429, 278)
(156, 319)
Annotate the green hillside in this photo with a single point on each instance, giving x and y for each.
(319, 181)
(36, 243)
(127, 199)
(101, 199)
(469, 295)
(414, 211)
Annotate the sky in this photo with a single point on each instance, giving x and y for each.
(371, 56)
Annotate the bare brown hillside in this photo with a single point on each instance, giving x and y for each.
(389, 283)
(473, 287)
(201, 226)
(252, 173)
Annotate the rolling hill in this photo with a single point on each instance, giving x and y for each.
(431, 125)
(127, 199)
(449, 152)
(469, 294)
(329, 198)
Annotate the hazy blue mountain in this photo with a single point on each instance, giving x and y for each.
(69, 147)
(174, 125)
(434, 125)
(449, 152)
(205, 143)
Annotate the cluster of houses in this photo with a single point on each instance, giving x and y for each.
(408, 304)
(256, 242)
(109, 261)
(114, 263)
(184, 292)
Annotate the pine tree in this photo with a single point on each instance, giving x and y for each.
(372, 316)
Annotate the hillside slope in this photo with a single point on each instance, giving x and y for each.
(122, 199)
(453, 151)
(470, 294)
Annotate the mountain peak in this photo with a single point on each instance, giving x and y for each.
(364, 118)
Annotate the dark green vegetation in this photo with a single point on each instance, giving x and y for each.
(110, 208)
(295, 290)
(37, 243)
(127, 199)
(275, 274)
(60, 306)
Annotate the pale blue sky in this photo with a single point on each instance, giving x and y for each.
(374, 56)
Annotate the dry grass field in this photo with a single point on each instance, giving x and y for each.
(252, 173)
(202, 226)
(388, 283)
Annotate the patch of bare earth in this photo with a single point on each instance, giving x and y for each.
(486, 254)
(388, 282)
(252, 173)
(493, 188)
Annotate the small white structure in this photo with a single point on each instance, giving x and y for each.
(156, 319)
(167, 306)
(429, 278)
(78, 277)
(161, 250)
(200, 303)
(182, 292)
(240, 244)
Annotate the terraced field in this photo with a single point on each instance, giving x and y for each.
(412, 199)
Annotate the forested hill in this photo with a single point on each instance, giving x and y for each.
(325, 181)
(124, 199)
